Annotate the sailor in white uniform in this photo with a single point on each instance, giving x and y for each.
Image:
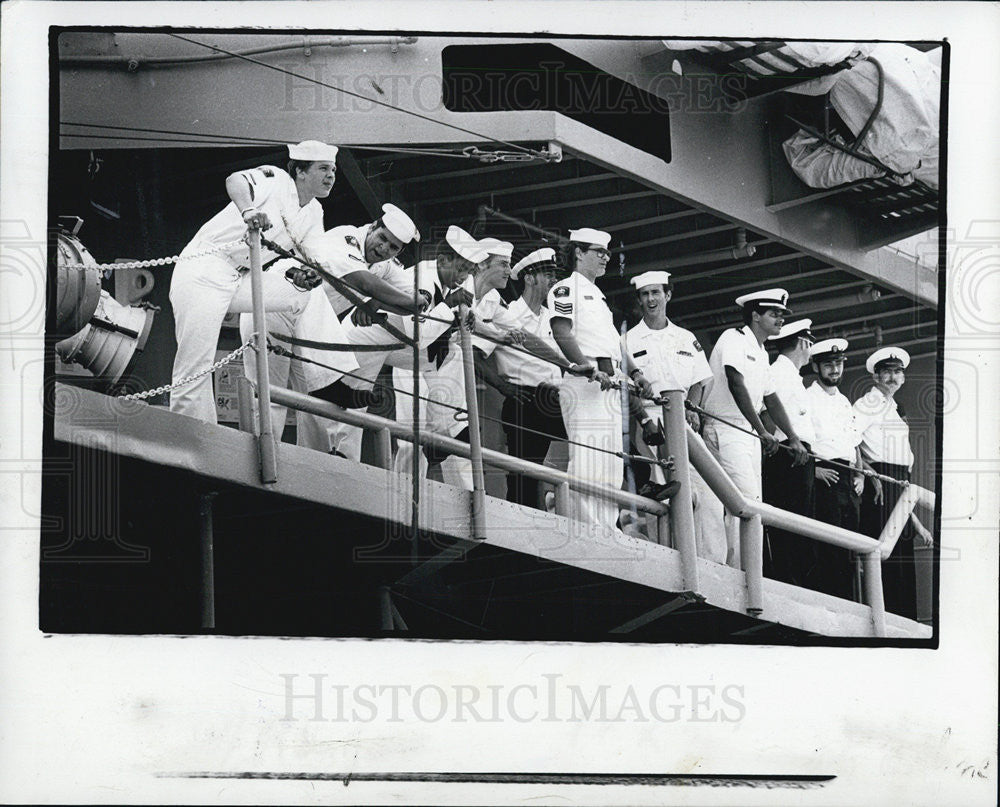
(584, 330)
(741, 386)
(671, 358)
(531, 415)
(786, 485)
(446, 282)
(885, 446)
(364, 258)
(838, 490)
(284, 206)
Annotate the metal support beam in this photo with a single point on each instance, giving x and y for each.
(475, 436)
(682, 503)
(370, 197)
(873, 591)
(676, 603)
(265, 439)
(207, 546)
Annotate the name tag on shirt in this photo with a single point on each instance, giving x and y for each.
(639, 355)
(752, 358)
(684, 353)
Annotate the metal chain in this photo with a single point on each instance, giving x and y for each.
(156, 261)
(138, 396)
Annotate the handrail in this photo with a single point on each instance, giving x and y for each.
(265, 438)
(496, 459)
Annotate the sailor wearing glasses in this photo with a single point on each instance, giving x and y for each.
(584, 330)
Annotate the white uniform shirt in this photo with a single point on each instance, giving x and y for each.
(670, 358)
(792, 394)
(343, 252)
(837, 426)
(580, 301)
(520, 368)
(885, 436)
(738, 348)
(492, 316)
(273, 192)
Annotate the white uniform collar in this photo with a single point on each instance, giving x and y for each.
(589, 282)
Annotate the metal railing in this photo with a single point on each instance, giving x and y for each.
(674, 521)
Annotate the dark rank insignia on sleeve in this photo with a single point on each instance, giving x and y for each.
(267, 172)
(350, 239)
(561, 291)
(697, 346)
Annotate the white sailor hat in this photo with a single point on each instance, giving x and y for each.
(399, 224)
(655, 278)
(465, 245)
(887, 354)
(828, 349)
(586, 235)
(494, 246)
(311, 151)
(540, 258)
(800, 327)
(769, 298)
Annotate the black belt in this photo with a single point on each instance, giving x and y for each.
(605, 365)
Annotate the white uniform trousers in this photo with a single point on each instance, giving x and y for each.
(739, 455)
(709, 514)
(316, 321)
(592, 417)
(202, 292)
(446, 385)
(343, 437)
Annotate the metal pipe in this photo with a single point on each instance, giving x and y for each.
(385, 608)
(873, 591)
(735, 502)
(562, 499)
(681, 518)
(244, 400)
(383, 448)
(133, 63)
(485, 210)
(475, 437)
(752, 557)
(265, 440)
(627, 421)
(495, 459)
(415, 411)
(207, 542)
(897, 521)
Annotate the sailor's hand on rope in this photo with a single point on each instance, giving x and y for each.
(859, 483)
(606, 381)
(515, 337)
(470, 322)
(877, 488)
(642, 384)
(457, 297)
(801, 455)
(302, 278)
(770, 443)
(692, 419)
(362, 318)
(256, 219)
